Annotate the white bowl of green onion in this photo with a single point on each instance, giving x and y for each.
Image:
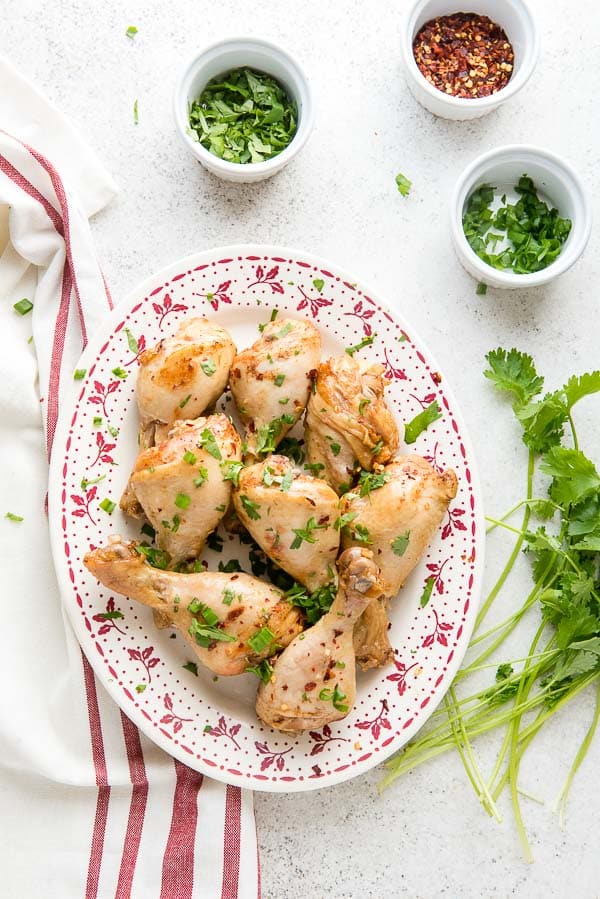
(243, 107)
(520, 217)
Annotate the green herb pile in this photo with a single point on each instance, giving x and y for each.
(535, 232)
(560, 532)
(244, 116)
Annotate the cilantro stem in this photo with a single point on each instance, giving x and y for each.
(561, 799)
(573, 431)
(515, 551)
(479, 784)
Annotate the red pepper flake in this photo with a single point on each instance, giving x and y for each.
(464, 55)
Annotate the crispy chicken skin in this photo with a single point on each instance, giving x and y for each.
(179, 483)
(182, 376)
(314, 679)
(270, 381)
(243, 604)
(348, 423)
(273, 501)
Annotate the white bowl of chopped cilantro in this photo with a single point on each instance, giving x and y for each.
(243, 107)
(520, 217)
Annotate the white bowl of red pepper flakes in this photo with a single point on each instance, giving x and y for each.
(520, 217)
(462, 65)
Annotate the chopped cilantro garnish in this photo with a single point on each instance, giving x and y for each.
(243, 116)
(264, 670)
(400, 543)
(335, 448)
(230, 566)
(306, 533)
(214, 542)
(421, 422)
(208, 367)
(251, 508)
(481, 289)
(148, 530)
(192, 667)
(315, 468)
(158, 558)
(403, 184)
(319, 283)
(230, 471)
(119, 373)
(189, 457)
(208, 442)
(202, 477)
(366, 341)
(279, 380)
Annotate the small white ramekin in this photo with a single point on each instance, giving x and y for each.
(519, 25)
(552, 177)
(234, 53)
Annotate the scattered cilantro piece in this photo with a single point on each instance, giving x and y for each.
(230, 566)
(189, 457)
(192, 667)
(371, 480)
(158, 558)
(264, 670)
(182, 500)
(230, 471)
(515, 372)
(481, 289)
(279, 380)
(148, 530)
(208, 442)
(319, 283)
(421, 422)
(292, 448)
(427, 591)
(136, 116)
(366, 341)
(306, 533)
(403, 184)
(120, 373)
(250, 508)
(400, 543)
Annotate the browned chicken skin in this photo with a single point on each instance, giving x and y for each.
(348, 424)
(243, 604)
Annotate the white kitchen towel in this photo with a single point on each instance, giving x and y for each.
(90, 807)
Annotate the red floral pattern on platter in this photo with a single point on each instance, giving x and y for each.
(364, 313)
(392, 372)
(217, 296)
(439, 633)
(453, 523)
(108, 619)
(239, 746)
(144, 657)
(102, 393)
(432, 458)
(222, 730)
(104, 449)
(171, 718)
(424, 401)
(83, 503)
(271, 756)
(167, 307)
(377, 724)
(313, 303)
(400, 674)
(323, 739)
(268, 279)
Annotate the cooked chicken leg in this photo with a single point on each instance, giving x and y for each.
(230, 620)
(291, 516)
(182, 376)
(397, 521)
(180, 483)
(314, 679)
(348, 424)
(270, 381)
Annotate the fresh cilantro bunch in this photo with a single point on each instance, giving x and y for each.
(564, 548)
(244, 116)
(534, 232)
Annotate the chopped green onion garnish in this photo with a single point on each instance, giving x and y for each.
(12, 517)
(119, 373)
(182, 500)
(261, 640)
(108, 506)
(79, 374)
(189, 457)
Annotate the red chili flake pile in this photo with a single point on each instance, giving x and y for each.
(465, 55)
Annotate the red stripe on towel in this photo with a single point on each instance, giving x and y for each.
(99, 758)
(231, 845)
(137, 807)
(178, 861)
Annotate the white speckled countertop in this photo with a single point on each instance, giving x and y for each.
(427, 836)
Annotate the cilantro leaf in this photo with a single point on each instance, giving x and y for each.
(421, 422)
(514, 372)
(574, 476)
